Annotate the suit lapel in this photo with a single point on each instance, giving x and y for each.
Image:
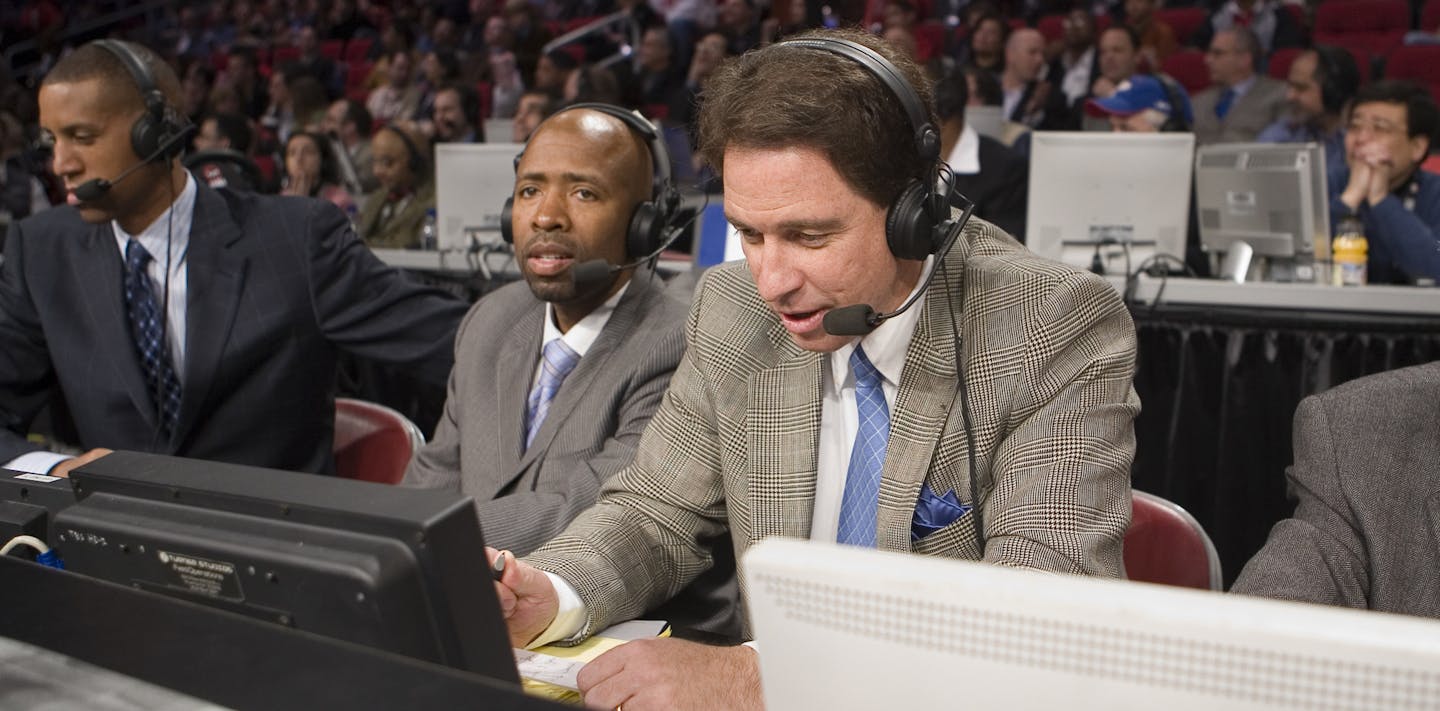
(100, 276)
(514, 371)
(783, 431)
(215, 275)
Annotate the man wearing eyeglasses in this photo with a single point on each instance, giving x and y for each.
(1392, 126)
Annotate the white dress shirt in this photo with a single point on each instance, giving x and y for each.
(581, 336)
(964, 158)
(171, 228)
(839, 421)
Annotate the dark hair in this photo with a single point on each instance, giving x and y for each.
(1130, 34)
(952, 93)
(329, 169)
(235, 128)
(1337, 74)
(986, 85)
(1249, 43)
(562, 59)
(1421, 114)
(596, 84)
(469, 102)
(449, 64)
(92, 61)
(356, 111)
(786, 95)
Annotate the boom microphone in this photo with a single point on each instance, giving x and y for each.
(96, 188)
(861, 319)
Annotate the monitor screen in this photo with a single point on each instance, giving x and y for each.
(1115, 195)
(850, 628)
(389, 567)
(472, 182)
(1272, 196)
(716, 240)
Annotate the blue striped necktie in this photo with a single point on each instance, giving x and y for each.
(859, 507)
(146, 326)
(557, 360)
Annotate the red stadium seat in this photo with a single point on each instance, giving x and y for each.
(1166, 545)
(1373, 26)
(1183, 20)
(373, 442)
(1419, 64)
(1052, 27)
(1187, 66)
(1280, 61)
(1432, 165)
(1430, 16)
(358, 49)
(285, 54)
(929, 40)
(332, 49)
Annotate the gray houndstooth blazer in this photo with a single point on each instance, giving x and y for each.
(1366, 531)
(1049, 355)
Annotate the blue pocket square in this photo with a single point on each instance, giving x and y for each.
(933, 513)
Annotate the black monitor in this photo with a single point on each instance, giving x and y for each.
(393, 568)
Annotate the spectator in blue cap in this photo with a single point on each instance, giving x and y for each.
(1146, 104)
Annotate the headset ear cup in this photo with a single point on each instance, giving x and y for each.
(644, 234)
(507, 232)
(909, 227)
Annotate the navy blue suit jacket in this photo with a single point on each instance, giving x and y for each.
(276, 287)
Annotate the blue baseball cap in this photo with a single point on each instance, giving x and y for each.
(1138, 93)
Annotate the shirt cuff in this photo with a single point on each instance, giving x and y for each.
(569, 616)
(36, 462)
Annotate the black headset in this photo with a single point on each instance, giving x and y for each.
(157, 131)
(418, 163)
(1175, 121)
(1339, 77)
(910, 222)
(651, 219)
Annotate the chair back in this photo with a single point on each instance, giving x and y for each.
(373, 442)
(1166, 545)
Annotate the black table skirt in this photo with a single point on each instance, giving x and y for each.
(1219, 387)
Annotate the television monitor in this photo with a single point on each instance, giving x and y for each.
(1272, 196)
(472, 182)
(986, 120)
(716, 240)
(29, 502)
(843, 627)
(389, 567)
(499, 130)
(1118, 196)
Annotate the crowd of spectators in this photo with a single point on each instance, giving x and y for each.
(257, 72)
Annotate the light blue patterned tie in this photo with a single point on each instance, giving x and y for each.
(867, 457)
(557, 361)
(145, 326)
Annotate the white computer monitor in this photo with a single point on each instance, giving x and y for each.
(472, 181)
(1089, 190)
(1272, 196)
(841, 627)
(986, 120)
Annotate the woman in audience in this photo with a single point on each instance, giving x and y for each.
(311, 171)
(987, 44)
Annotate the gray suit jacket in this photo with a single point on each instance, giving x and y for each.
(525, 497)
(1247, 117)
(1049, 355)
(1366, 531)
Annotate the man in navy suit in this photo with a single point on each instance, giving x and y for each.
(179, 319)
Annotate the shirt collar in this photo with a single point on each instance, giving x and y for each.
(885, 346)
(1244, 86)
(964, 158)
(171, 228)
(585, 331)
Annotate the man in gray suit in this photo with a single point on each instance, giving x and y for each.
(532, 467)
(774, 425)
(1366, 530)
(1242, 102)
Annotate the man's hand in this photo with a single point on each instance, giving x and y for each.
(1103, 88)
(1359, 186)
(1382, 170)
(63, 468)
(527, 599)
(672, 674)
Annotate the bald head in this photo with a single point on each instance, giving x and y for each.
(577, 185)
(1024, 55)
